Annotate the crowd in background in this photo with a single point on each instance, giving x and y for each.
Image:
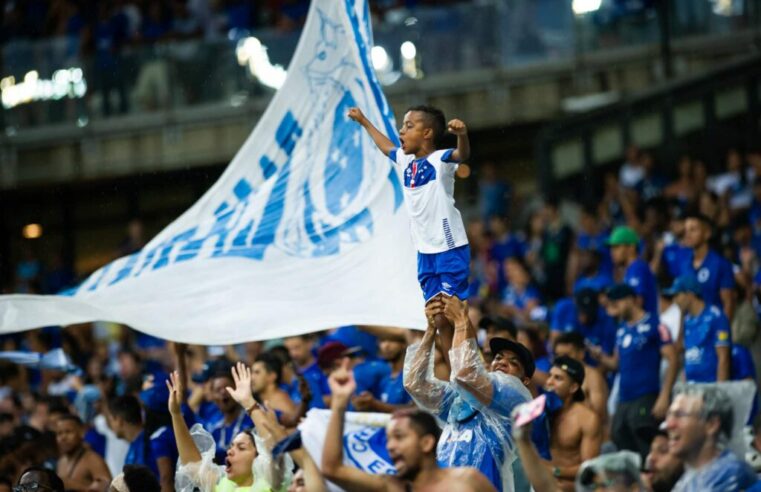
(651, 282)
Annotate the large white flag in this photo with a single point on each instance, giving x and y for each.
(305, 230)
(364, 440)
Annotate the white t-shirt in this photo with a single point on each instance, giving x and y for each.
(429, 194)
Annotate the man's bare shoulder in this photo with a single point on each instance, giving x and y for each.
(466, 479)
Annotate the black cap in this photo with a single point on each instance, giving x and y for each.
(575, 369)
(524, 355)
(620, 291)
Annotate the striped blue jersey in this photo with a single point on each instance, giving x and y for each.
(429, 194)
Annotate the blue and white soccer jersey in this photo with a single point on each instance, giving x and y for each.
(436, 225)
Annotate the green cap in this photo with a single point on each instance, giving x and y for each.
(623, 235)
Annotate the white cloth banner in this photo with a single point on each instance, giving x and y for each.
(364, 440)
(305, 230)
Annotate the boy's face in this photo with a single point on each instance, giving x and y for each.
(414, 132)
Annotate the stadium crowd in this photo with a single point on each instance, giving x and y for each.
(605, 308)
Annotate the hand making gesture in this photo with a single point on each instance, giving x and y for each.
(242, 392)
(457, 127)
(342, 385)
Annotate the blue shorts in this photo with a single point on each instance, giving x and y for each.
(444, 273)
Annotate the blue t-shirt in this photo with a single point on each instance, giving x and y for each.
(479, 441)
(512, 246)
(351, 336)
(519, 299)
(598, 282)
(672, 258)
(392, 390)
(714, 274)
(639, 357)
(724, 474)
(702, 334)
(370, 375)
(316, 380)
(96, 441)
(164, 445)
(601, 332)
(639, 277)
(140, 453)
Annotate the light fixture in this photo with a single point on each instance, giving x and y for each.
(408, 49)
(32, 231)
(381, 61)
(585, 6)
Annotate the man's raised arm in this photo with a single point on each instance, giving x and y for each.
(419, 380)
(342, 386)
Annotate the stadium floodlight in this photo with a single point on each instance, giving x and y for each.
(381, 61)
(585, 6)
(32, 231)
(408, 50)
(250, 51)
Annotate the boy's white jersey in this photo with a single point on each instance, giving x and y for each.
(429, 194)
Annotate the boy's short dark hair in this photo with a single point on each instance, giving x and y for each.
(423, 422)
(434, 119)
(272, 363)
(71, 418)
(571, 338)
(126, 407)
(139, 477)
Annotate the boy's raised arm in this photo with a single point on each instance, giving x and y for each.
(462, 152)
(381, 141)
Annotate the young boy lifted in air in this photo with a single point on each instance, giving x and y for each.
(437, 229)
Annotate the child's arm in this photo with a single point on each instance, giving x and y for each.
(381, 141)
(462, 152)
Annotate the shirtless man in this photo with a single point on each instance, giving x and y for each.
(265, 380)
(79, 467)
(575, 432)
(595, 388)
(412, 436)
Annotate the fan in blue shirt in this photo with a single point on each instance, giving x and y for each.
(592, 275)
(476, 405)
(125, 419)
(623, 244)
(584, 315)
(707, 335)
(743, 368)
(712, 271)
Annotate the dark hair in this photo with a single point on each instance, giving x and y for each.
(272, 363)
(51, 479)
(434, 119)
(6, 481)
(281, 353)
(140, 478)
(571, 338)
(6, 417)
(126, 407)
(72, 418)
(423, 422)
(699, 217)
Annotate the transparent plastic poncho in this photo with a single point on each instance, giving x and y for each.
(613, 468)
(204, 475)
(471, 429)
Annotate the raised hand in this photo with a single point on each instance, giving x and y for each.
(242, 392)
(356, 115)
(455, 310)
(457, 127)
(342, 384)
(175, 393)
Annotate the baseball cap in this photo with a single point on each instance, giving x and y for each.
(684, 284)
(575, 369)
(620, 291)
(622, 235)
(333, 351)
(498, 344)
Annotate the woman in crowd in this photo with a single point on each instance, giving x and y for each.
(249, 466)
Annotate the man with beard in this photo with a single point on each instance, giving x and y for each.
(393, 394)
(79, 467)
(624, 244)
(411, 439)
(575, 433)
(662, 469)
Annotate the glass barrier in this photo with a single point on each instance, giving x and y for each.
(54, 81)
